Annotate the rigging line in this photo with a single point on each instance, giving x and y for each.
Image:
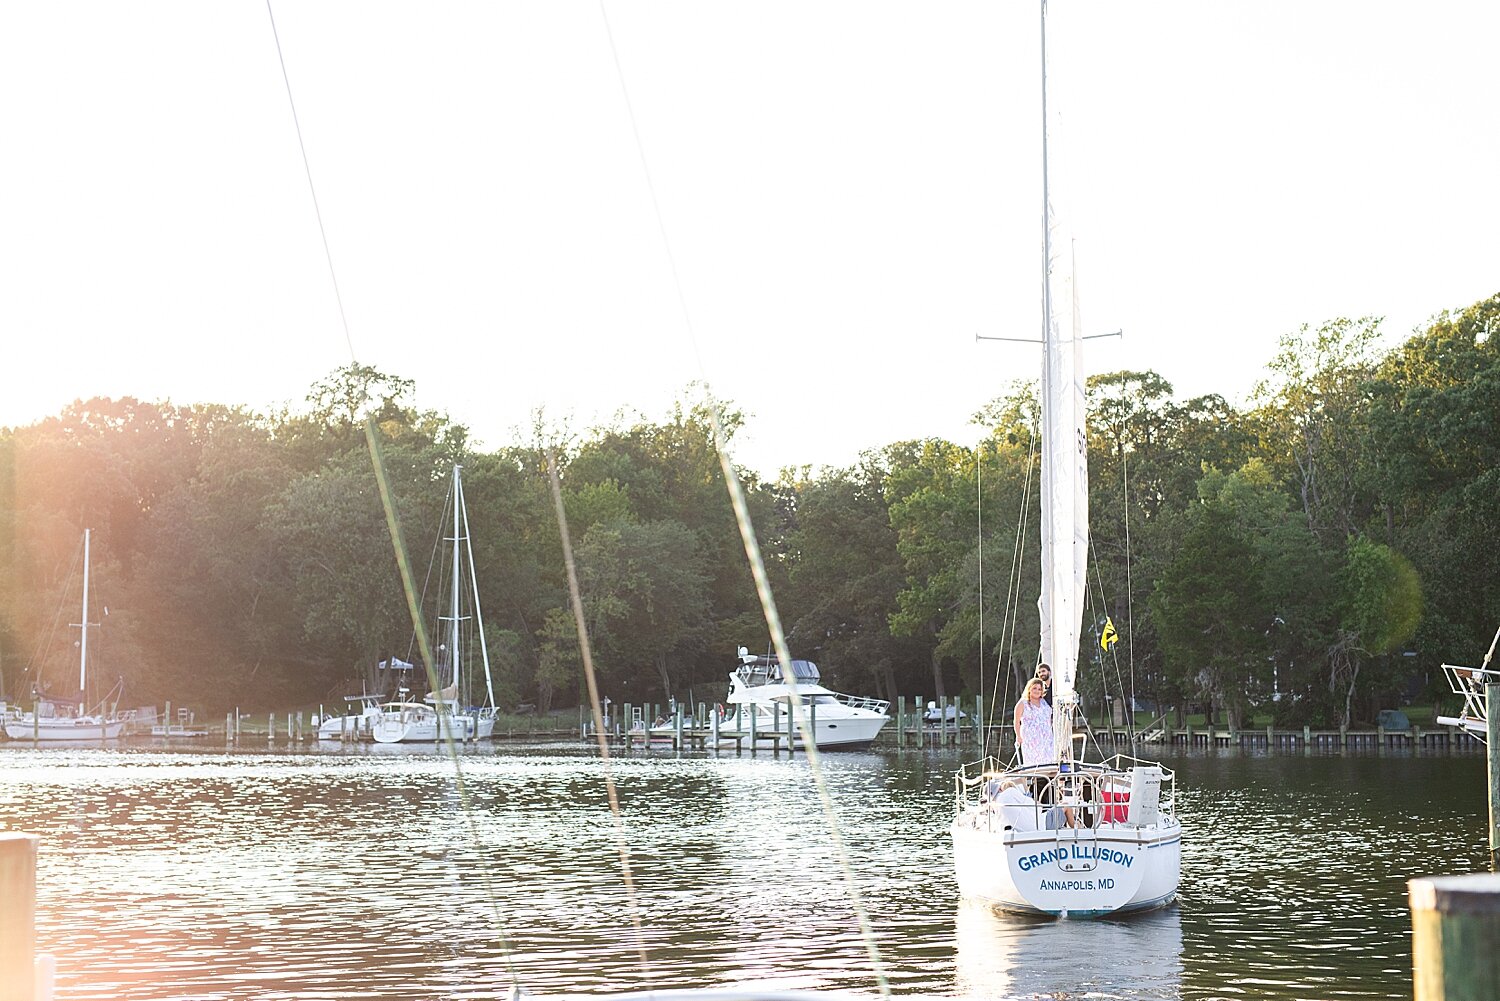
(778, 638)
(747, 536)
(661, 225)
(312, 190)
(575, 598)
(1104, 604)
(1019, 556)
(1001, 702)
(44, 642)
(393, 522)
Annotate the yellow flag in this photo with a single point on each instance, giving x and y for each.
(1109, 637)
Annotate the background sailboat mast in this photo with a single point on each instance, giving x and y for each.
(453, 625)
(83, 628)
(1064, 458)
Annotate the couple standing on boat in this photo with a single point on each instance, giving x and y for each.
(1033, 720)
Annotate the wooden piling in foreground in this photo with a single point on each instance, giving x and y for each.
(1492, 750)
(1455, 927)
(18, 916)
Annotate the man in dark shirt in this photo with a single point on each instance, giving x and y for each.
(1045, 673)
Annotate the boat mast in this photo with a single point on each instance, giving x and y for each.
(1064, 464)
(83, 628)
(453, 603)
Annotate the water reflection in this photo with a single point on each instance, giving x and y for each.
(1008, 956)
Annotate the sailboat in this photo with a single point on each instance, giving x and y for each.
(440, 715)
(55, 719)
(1066, 837)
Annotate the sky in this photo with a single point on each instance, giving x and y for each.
(812, 206)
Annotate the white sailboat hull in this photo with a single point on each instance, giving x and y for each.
(421, 726)
(1085, 872)
(64, 728)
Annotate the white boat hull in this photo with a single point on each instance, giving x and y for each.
(64, 728)
(1083, 872)
(843, 733)
(407, 728)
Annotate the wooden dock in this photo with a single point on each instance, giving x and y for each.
(954, 722)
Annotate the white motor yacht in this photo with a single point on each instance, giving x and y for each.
(760, 697)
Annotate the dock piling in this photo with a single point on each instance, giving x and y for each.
(18, 916)
(1492, 751)
(1455, 926)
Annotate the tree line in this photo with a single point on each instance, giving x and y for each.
(1314, 554)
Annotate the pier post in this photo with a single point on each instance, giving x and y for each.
(677, 729)
(1306, 735)
(900, 720)
(812, 722)
(979, 740)
(713, 728)
(754, 738)
(1492, 751)
(1455, 925)
(18, 916)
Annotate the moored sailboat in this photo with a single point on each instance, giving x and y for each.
(66, 719)
(1065, 837)
(441, 715)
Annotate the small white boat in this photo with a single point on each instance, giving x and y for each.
(760, 701)
(58, 719)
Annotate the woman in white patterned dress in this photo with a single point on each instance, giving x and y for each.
(1034, 725)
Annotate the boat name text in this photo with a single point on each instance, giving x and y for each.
(1058, 854)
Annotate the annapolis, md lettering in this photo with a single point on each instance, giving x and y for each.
(1030, 862)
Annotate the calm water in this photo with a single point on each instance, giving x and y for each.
(385, 873)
